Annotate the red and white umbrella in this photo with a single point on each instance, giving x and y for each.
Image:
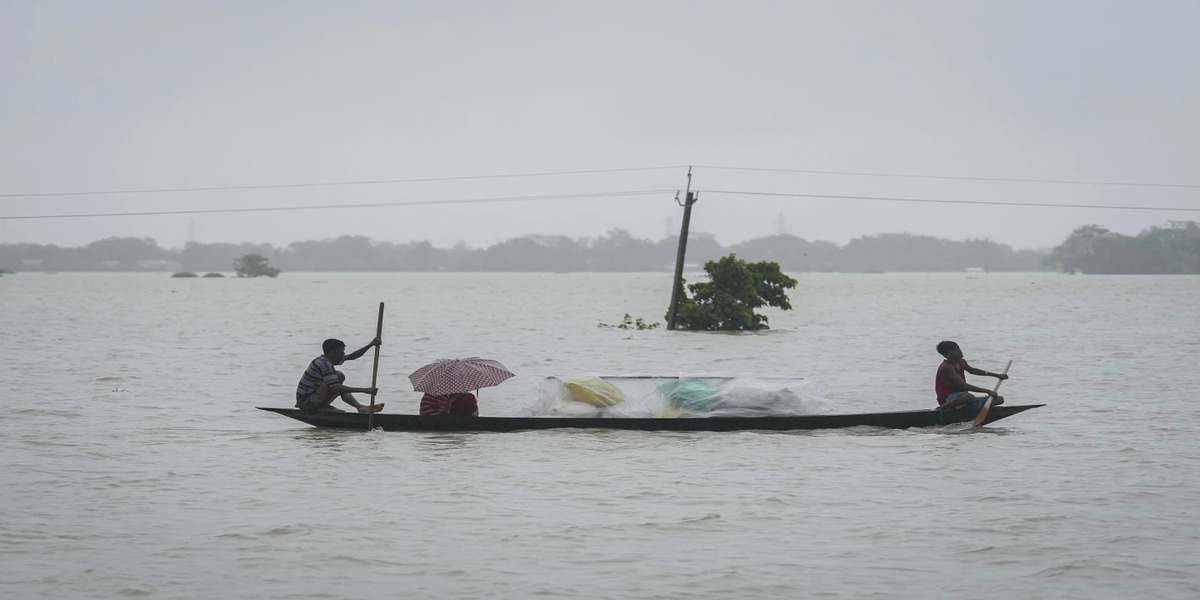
(458, 375)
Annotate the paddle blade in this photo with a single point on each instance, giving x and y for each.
(982, 416)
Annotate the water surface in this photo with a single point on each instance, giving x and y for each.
(134, 463)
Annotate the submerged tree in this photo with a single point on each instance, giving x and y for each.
(629, 322)
(254, 265)
(726, 302)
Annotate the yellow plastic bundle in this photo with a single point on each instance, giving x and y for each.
(594, 391)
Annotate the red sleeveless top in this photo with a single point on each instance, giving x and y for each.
(943, 386)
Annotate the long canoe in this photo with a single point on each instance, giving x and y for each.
(891, 420)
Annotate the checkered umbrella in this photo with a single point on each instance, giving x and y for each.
(458, 375)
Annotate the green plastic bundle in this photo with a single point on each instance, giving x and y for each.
(691, 395)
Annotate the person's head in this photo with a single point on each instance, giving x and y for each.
(334, 350)
(950, 350)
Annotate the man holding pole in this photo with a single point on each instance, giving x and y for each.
(951, 385)
(321, 383)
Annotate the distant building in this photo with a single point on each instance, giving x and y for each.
(159, 265)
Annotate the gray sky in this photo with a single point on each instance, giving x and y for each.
(135, 95)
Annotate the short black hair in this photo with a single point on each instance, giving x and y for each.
(331, 345)
(946, 347)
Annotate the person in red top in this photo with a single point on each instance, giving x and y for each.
(453, 405)
(951, 385)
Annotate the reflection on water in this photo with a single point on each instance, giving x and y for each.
(331, 440)
(436, 444)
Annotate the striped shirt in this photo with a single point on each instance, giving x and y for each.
(319, 371)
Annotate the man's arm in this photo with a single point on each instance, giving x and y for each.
(947, 371)
(980, 372)
(361, 351)
(337, 388)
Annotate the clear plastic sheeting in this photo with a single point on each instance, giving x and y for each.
(645, 396)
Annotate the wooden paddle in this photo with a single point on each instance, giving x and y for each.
(375, 370)
(982, 416)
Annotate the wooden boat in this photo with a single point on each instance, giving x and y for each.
(891, 420)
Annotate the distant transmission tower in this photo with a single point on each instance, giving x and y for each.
(782, 227)
(191, 230)
(670, 227)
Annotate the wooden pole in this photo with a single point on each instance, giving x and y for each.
(677, 282)
(982, 416)
(375, 369)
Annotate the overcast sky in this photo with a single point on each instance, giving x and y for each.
(137, 95)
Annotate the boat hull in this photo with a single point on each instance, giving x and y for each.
(892, 420)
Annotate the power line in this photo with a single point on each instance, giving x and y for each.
(951, 177)
(595, 195)
(343, 206)
(331, 183)
(932, 201)
(584, 172)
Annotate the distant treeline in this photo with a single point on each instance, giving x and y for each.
(616, 251)
(1173, 249)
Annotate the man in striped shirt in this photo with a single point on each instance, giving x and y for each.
(321, 383)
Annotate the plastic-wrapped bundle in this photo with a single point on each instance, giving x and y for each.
(748, 396)
(575, 397)
(651, 396)
(594, 391)
(690, 395)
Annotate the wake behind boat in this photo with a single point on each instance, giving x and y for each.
(890, 420)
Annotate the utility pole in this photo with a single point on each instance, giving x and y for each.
(690, 198)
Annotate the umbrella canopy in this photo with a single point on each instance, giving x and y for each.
(458, 375)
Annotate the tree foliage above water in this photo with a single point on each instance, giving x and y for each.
(254, 265)
(728, 300)
(638, 324)
(1092, 249)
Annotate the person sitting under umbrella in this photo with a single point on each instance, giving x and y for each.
(321, 384)
(453, 405)
(448, 382)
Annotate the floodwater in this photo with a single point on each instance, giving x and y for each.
(134, 463)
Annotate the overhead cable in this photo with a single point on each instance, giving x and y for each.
(344, 206)
(595, 195)
(588, 172)
(225, 188)
(957, 178)
(933, 201)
